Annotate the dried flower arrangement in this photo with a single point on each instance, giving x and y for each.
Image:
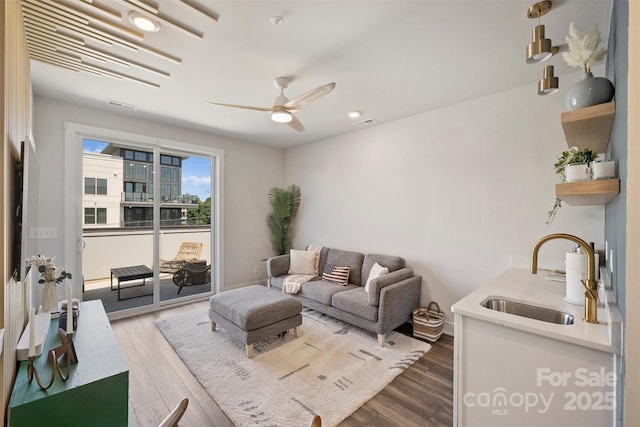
(48, 269)
(583, 48)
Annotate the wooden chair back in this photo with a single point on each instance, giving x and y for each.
(188, 251)
(316, 421)
(174, 416)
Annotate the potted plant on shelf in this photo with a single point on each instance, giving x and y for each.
(569, 158)
(285, 203)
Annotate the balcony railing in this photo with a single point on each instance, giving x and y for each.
(148, 198)
(111, 248)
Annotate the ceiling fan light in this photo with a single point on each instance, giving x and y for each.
(281, 116)
(142, 22)
(540, 48)
(549, 83)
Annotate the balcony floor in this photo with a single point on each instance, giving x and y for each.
(137, 295)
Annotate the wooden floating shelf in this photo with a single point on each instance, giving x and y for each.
(589, 127)
(587, 193)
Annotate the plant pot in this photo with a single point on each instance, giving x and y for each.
(589, 91)
(577, 172)
(604, 170)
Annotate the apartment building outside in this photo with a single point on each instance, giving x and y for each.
(119, 189)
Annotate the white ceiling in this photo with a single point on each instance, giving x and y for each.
(389, 59)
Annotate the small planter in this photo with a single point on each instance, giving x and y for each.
(604, 170)
(577, 172)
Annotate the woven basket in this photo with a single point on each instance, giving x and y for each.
(428, 323)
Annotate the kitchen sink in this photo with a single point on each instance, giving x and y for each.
(529, 311)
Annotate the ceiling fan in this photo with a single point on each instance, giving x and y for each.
(283, 109)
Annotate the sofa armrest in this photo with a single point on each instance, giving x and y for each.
(397, 303)
(385, 280)
(278, 265)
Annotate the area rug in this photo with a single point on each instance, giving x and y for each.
(331, 370)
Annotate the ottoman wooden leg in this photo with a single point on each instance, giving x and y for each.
(213, 325)
(249, 351)
(296, 331)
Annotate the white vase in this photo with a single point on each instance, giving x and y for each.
(50, 296)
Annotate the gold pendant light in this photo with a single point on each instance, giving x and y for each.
(540, 48)
(549, 83)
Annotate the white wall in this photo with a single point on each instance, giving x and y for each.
(249, 171)
(462, 192)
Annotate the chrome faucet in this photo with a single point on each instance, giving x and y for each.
(590, 284)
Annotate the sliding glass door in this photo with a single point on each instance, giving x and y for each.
(185, 225)
(146, 223)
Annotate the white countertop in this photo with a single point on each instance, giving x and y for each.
(519, 285)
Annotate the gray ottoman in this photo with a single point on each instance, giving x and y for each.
(253, 313)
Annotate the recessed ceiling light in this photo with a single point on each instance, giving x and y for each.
(142, 22)
(277, 21)
(354, 114)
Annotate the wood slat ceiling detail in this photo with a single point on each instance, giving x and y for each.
(65, 34)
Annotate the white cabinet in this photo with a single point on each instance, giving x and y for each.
(515, 371)
(508, 377)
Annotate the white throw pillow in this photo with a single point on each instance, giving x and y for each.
(376, 271)
(302, 262)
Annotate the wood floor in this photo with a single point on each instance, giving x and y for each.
(420, 396)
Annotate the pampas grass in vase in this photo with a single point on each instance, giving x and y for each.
(584, 51)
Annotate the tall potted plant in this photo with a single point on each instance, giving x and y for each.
(284, 203)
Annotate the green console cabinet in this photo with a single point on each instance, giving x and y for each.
(96, 393)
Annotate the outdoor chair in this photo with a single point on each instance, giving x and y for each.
(192, 274)
(188, 252)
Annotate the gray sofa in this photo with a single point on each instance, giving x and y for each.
(389, 303)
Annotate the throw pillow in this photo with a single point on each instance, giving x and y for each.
(339, 275)
(302, 262)
(376, 271)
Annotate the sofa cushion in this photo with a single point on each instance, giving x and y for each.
(355, 302)
(322, 259)
(376, 271)
(393, 263)
(302, 262)
(322, 291)
(276, 282)
(336, 274)
(350, 259)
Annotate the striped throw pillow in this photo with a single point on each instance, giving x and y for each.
(339, 275)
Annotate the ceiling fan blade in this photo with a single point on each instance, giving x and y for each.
(296, 124)
(246, 107)
(308, 97)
